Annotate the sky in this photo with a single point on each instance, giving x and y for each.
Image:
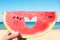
(30, 5)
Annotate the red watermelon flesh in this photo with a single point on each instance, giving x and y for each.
(15, 21)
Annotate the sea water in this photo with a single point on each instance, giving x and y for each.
(30, 24)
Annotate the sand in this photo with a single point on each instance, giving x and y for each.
(52, 35)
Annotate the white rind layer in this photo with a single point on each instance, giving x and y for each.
(29, 37)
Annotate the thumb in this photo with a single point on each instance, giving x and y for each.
(13, 35)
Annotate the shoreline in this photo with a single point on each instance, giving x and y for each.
(52, 35)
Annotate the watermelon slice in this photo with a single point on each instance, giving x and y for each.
(14, 21)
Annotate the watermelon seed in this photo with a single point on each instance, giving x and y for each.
(49, 16)
(20, 18)
(17, 17)
(13, 16)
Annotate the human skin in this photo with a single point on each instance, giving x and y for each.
(9, 36)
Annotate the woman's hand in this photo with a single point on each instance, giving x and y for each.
(9, 36)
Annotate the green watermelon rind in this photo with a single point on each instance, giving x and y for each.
(30, 36)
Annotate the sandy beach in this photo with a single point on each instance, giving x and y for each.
(52, 35)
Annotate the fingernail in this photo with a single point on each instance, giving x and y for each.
(16, 33)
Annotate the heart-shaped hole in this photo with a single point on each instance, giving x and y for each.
(30, 23)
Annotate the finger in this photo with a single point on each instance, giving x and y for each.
(15, 38)
(13, 35)
(7, 33)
